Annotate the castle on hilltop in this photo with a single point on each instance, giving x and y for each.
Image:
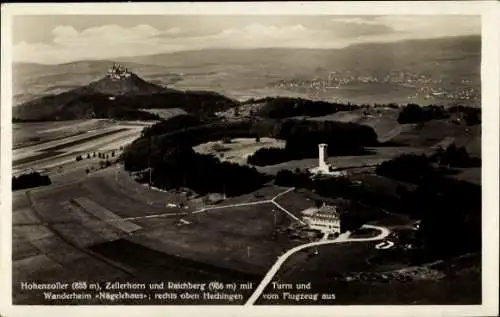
(118, 72)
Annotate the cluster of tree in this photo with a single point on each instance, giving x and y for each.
(269, 156)
(286, 107)
(336, 134)
(413, 113)
(449, 209)
(472, 116)
(148, 150)
(417, 168)
(182, 167)
(19, 120)
(106, 156)
(200, 103)
(257, 100)
(171, 125)
(303, 136)
(455, 156)
(298, 178)
(104, 164)
(130, 114)
(354, 216)
(407, 167)
(30, 180)
(354, 212)
(84, 104)
(99, 155)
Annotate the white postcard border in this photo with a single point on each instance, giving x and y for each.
(490, 152)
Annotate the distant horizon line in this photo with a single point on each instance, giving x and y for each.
(121, 58)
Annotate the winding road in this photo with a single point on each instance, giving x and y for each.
(384, 232)
(344, 237)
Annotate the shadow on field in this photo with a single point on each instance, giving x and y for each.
(153, 264)
(391, 143)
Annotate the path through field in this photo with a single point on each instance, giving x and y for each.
(384, 232)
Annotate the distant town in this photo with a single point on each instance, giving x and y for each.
(424, 85)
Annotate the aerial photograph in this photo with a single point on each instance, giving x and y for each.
(246, 160)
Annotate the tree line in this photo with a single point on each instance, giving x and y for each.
(303, 136)
(33, 179)
(417, 168)
(203, 173)
(286, 107)
(81, 103)
(449, 209)
(413, 113)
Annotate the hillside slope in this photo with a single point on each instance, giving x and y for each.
(32, 81)
(120, 97)
(452, 56)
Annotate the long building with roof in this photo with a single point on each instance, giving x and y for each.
(325, 219)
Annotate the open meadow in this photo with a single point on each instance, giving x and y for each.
(237, 150)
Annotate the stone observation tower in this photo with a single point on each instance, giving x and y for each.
(324, 167)
(323, 156)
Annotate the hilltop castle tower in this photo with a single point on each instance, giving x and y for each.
(118, 72)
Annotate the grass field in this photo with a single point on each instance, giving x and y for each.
(166, 114)
(239, 149)
(239, 238)
(44, 254)
(238, 241)
(375, 157)
(31, 133)
(334, 271)
(63, 150)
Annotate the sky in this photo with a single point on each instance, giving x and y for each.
(65, 38)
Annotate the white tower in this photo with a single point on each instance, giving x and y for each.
(323, 156)
(323, 167)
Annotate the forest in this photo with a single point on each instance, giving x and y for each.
(449, 209)
(182, 167)
(33, 179)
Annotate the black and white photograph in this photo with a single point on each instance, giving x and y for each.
(246, 159)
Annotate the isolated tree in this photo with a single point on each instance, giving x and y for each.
(257, 138)
(88, 155)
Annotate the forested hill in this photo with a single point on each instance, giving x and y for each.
(120, 99)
